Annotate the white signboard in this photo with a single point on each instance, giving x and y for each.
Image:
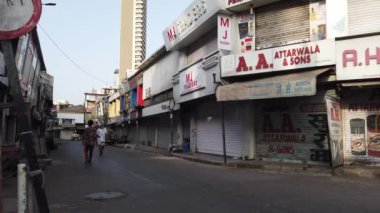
(224, 32)
(358, 58)
(163, 107)
(312, 54)
(263, 90)
(334, 119)
(17, 17)
(192, 79)
(195, 15)
(232, 3)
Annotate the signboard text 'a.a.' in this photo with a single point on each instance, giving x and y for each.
(312, 54)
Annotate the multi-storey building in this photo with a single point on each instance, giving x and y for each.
(132, 37)
(271, 80)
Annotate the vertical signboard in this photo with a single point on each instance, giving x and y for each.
(246, 32)
(224, 32)
(334, 120)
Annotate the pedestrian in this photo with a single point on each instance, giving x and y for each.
(89, 141)
(101, 133)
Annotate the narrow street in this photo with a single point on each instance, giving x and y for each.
(154, 183)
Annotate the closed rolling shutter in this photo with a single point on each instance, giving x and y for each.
(66, 134)
(164, 137)
(363, 16)
(143, 125)
(361, 113)
(234, 116)
(209, 130)
(290, 128)
(282, 23)
(152, 124)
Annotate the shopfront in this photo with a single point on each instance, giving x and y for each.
(287, 88)
(358, 70)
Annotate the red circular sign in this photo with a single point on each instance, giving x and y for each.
(20, 17)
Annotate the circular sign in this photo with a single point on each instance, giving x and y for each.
(18, 17)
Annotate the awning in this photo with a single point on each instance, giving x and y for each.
(280, 86)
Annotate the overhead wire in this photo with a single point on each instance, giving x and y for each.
(69, 58)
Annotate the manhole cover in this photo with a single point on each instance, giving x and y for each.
(104, 195)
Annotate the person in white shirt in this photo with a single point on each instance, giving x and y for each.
(101, 133)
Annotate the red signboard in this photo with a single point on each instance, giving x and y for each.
(18, 17)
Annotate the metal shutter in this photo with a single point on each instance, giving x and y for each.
(209, 129)
(234, 124)
(164, 137)
(152, 125)
(308, 117)
(363, 16)
(282, 23)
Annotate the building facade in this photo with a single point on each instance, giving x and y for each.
(270, 80)
(36, 86)
(132, 36)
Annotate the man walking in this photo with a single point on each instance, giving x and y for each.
(89, 141)
(101, 133)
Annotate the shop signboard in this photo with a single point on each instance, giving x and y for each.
(358, 58)
(269, 89)
(194, 16)
(233, 3)
(163, 107)
(334, 120)
(305, 55)
(192, 79)
(224, 32)
(18, 17)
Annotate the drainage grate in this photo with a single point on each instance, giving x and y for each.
(105, 195)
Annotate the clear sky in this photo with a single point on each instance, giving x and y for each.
(79, 36)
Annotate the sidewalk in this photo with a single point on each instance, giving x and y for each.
(267, 166)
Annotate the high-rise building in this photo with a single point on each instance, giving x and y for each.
(133, 36)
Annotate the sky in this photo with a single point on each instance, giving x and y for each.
(80, 41)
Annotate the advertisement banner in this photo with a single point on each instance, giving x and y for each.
(192, 79)
(318, 21)
(334, 120)
(224, 32)
(312, 54)
(358, 58)
(246, 23)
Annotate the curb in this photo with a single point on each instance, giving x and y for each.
(373, 173)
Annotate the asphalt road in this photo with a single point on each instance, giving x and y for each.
(154, 183)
